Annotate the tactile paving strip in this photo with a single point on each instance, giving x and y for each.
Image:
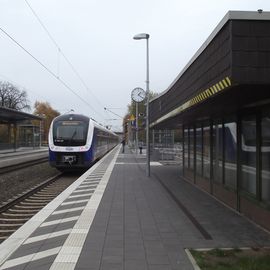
(61, 235)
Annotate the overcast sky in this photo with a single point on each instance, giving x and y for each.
(96, 36)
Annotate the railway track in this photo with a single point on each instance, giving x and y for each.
(23, 165)
(16, 212)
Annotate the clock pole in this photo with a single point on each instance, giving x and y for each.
(146, 37)
(137, 95)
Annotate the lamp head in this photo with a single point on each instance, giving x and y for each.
(141, 36)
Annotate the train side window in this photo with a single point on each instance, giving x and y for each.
(265, 152)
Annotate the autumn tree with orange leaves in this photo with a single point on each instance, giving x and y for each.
(45, 110)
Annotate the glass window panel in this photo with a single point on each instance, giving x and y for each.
(217, 153)
(199, 149)
(230, 151)
(191, 148)
(265, 152)
(186, 147)
(206, 152)
(248, 154)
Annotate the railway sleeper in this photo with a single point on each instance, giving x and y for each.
(13, 219)
(18, 215)
(8, 231)
(29, 207)
(23, 210)
(37, 200)
(45, 194)
(43, 197)
(11, 225)
(34, 203)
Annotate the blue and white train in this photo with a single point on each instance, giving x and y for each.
(76, 142)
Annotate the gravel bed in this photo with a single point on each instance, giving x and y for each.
(14, 183)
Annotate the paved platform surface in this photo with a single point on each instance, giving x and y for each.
(9, 157)
(127, 221)
(22, 150)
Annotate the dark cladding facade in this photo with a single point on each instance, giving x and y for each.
(221, 100)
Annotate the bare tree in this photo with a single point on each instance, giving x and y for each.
(13, 98)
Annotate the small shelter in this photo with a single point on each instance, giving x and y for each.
(17, 129)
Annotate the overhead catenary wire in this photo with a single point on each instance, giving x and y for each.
(107, 109)
(49, 71)
(60, 51)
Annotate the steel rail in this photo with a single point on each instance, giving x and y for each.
(19, 166)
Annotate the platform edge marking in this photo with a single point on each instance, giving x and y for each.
(17, 238)
(83, 225)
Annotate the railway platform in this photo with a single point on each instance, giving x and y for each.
(21, 155)
(115, 217)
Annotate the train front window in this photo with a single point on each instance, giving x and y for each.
(70, 133)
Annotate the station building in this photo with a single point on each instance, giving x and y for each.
(221, 102)
(18, 129)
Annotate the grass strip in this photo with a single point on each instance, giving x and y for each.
(233, 259)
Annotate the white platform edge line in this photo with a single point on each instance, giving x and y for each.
(17, 238)
(82, 228)
(31, 257)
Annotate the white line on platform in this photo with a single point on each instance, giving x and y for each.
(67, 210)
(70, 252)
(74, 202)
(31, 257)
(129, 163)
(20, 236)
(155, 163)
(80, 195)
(58, 221)
(87, 186)
(83, 190)
(46, 236)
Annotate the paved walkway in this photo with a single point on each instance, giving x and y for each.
(145, 223)
(140, 223)
(22, 150)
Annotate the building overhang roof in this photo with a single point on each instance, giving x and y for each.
(9, 115)
(230, 15)
(219, 74)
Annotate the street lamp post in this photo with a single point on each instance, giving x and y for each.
(137, 126)
(146, 37)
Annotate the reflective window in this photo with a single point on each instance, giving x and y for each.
(70, 133)
(217, 153)
(265, 150)
(206, 152)
(186, 148)
(248, 154)
(191, 148)
(199, 149)
(230, 151)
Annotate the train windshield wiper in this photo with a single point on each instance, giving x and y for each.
(73, 135)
